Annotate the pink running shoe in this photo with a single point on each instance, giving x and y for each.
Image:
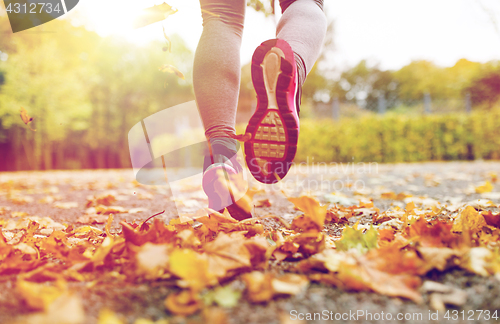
(222, 183)
(275, 124)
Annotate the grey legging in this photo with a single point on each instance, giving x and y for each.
(216, 71)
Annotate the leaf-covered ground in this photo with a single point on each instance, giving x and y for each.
(408, 239)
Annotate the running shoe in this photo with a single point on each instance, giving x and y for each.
(274, 127)
(222, 182)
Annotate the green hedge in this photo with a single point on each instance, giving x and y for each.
(401, 138)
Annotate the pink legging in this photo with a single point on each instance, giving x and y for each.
(216, 71)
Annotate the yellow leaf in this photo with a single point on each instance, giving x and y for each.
(40, 296)
(410, 206)
(103, 251)
(487, 187)
(311, 208)
(107, 316)
(469, 219)
(191, 267)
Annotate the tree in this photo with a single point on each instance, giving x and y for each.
(486, 89)
(364, 85)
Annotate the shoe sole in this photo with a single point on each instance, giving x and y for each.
(273, 145)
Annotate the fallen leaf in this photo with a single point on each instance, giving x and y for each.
(106, 199)
(152, 260)
(353, 238)
(469, 219)
(107, 316)
(66, 205)
(227, 252)
(223, 296)
(259, 286)
(491, 219)
(40, 296)
(263, 203)
(311, 208)
(92, 219)
(190, 267)
(184, 303)
(289, 284)
(67, 309)
(214, 315)
(109, 210)
(486, 187)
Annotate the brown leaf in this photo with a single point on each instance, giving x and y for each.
(263, 203)
(157, 233)
(259, 286)
(491, 219)
(26, 118)
(171, 69)
(241, 137)
(262, 287)
(183, 303)
(106, 199)
(227, 252)
(434, 234)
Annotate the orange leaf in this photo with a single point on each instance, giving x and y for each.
(171, 69)
(311, 208)
(26, 118)
(183, 303)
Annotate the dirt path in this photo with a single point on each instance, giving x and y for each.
(62, 196)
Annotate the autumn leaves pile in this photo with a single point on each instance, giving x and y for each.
(388, 254)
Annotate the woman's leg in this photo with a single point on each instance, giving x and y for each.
(216, 81)
(216, 71)
(279, 68)
(303, 25)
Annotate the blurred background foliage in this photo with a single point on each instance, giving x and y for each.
(85, 92)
